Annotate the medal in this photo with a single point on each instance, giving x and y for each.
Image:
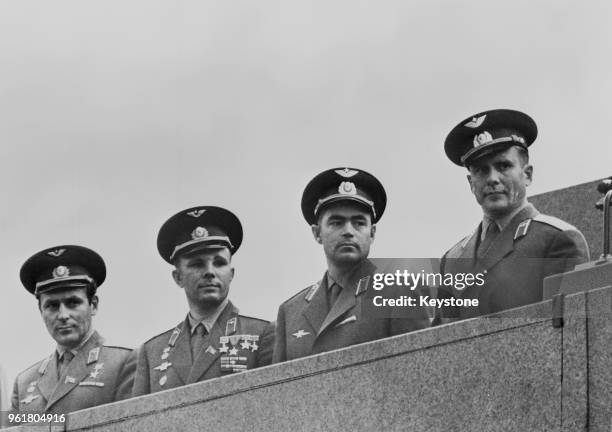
(166, 353)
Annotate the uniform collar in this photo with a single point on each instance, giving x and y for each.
(209, 321)
(60, 350)
(502, 222)
(331, 282)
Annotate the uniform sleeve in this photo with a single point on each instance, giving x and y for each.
(566, 250)
(266, 346)
(126, 377)
(280, 348)
(141, 378)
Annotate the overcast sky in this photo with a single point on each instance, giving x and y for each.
(115, 115)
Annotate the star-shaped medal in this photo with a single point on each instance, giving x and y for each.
(233, 351)
(245, 345)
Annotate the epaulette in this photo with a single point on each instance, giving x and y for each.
(254, 319)
(554, 222)
(463, 243)
(164, 333)
(38, 366)
(312, 291)
(44, 364)
(300, 293)
(119, 347)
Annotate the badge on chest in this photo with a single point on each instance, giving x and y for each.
(236, 350)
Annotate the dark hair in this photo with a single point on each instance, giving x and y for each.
(90, 292)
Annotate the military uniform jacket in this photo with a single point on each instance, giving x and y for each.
(305, 324)
(98, 374)
(530, 248)
(235, 343)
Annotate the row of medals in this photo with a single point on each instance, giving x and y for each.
(69, 380)
(232, 362)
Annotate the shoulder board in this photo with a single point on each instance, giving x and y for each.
(165, 333)
(299, 294)
(253, 319)
(463, 243)
(43, 365)
(554, 222)
(38, 367)
(312, 291)
(118, 347)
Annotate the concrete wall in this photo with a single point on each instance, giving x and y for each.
(576, 205)
(511, 372)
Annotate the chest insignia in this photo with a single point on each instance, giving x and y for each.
(162, 367)
(300, 333)
(29, 399)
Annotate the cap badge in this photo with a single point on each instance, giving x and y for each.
(199, 232)
(60, 271)
(56, 252)
(196, 213)
(346, 173)
(482, 139)
(347, 188)
(475, 122)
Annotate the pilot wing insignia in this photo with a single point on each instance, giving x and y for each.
(196, 213)
(476, 121)
(300, 333)
(346, 173)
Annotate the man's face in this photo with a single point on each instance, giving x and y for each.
(67, 315)
(499, 182)
(205, 276)
(346, 232)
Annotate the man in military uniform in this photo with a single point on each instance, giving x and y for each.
(342, 206)
(514, 246)
(213, 340)
(81, 372)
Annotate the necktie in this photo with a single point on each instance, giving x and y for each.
(66, 359)
(332, 294)
(197, 340)
(492, 234)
